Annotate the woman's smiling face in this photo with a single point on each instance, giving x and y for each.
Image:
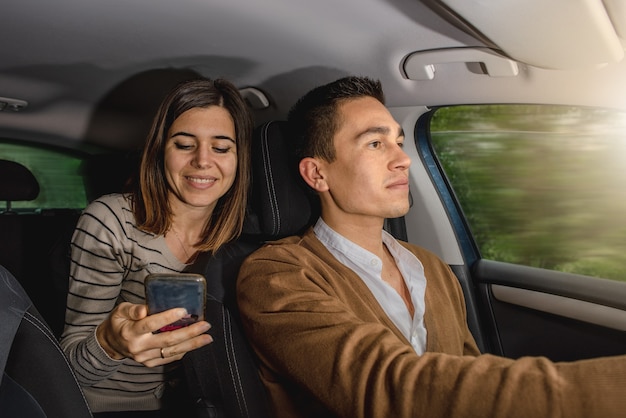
(200, 157)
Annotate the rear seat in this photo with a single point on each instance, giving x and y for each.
(34, 246)
(46, 260)
(17, 184)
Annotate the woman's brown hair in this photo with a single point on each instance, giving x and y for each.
(150, 194)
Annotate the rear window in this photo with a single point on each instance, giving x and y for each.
(542, 186)
(58, 173)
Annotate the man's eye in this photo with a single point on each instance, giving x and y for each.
(375, 144)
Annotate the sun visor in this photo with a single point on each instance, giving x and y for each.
(617, 13)
(554, 34)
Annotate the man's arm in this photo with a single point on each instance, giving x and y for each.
(317, 331)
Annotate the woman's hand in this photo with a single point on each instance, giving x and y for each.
(127, 333)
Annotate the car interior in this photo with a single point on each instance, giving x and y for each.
(513, 114)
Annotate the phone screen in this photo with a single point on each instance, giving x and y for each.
(176, 290)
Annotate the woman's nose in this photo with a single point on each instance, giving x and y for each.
(202, 157)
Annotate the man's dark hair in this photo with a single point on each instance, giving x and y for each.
(314, 119)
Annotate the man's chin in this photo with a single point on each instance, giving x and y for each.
(398, 211)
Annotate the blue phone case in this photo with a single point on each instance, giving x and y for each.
(176, 290)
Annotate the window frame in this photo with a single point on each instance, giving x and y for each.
(462, 230)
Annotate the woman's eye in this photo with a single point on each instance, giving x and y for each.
(183, 146)
(221, 150)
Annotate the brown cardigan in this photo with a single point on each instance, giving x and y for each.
(327, 348)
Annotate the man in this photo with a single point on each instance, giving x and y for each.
(347, 321)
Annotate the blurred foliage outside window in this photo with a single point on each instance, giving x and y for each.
(542, 186)
(61, 184)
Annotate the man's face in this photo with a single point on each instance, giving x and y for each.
(369, 177)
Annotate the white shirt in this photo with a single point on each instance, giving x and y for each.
(369, 268)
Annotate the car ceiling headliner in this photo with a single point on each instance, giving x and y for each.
(70, 58)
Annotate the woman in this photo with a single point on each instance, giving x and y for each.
(190, 196)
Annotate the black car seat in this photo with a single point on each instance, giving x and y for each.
(17, 184)
(37, 380)
(35, 234)
(223, 377)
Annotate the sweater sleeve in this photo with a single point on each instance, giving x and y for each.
(98, 265)
(318, 343)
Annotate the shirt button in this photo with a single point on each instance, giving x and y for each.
(373, 262)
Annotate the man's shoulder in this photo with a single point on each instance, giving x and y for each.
(295, 247)
(291, 243)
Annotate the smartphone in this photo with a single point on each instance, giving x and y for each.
(176, 290)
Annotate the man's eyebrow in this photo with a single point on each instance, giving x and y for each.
(187, 134)
(384, 130)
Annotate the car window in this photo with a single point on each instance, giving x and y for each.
(58, 173)
(537, 185)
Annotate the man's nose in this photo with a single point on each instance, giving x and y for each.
(401, 159)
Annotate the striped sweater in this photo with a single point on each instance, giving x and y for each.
(110, 260)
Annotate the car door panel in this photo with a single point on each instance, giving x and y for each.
(565, 317)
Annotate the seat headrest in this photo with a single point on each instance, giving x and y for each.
(280, 205)
(17, 183)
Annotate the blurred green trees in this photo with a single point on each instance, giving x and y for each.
(542, 186)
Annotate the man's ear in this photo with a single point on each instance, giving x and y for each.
(310, 170)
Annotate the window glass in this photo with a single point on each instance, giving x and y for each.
(541, 186)
(59, 175)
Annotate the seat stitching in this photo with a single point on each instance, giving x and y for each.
(36, 322)
(232, 361)
(270, 181)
